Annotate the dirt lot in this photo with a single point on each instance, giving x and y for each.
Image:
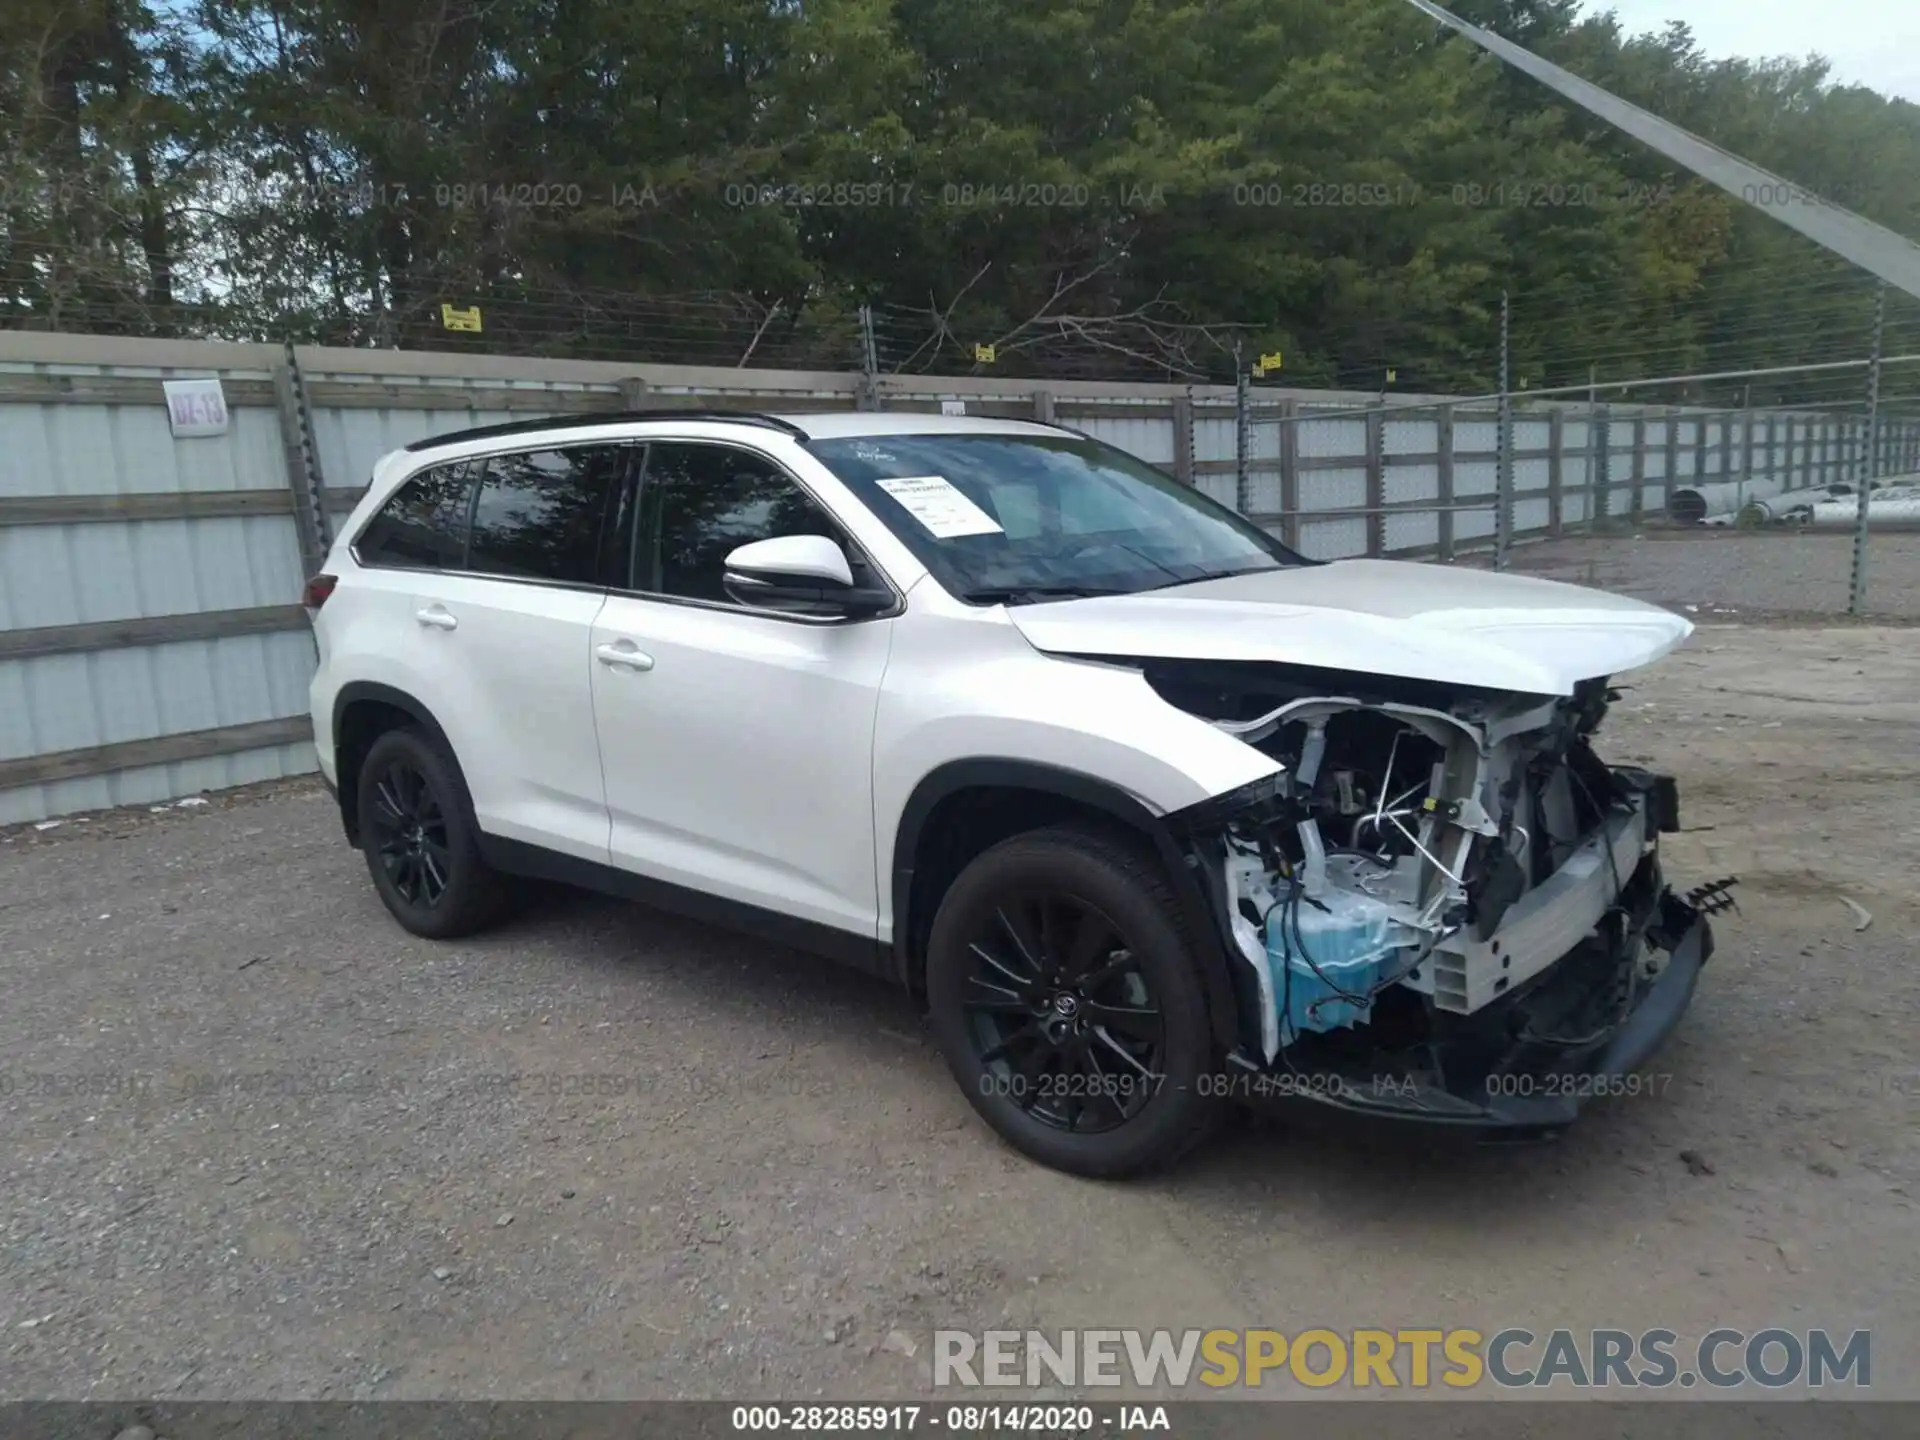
(255, 1143)
(1733, 574)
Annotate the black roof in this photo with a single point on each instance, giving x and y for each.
(622, 417)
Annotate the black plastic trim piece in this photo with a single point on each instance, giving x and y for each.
(518, 857)
(355, 691)
(620, 417)
(1203, 925)
(1662, 795)
(893, 611)
(1211, 813)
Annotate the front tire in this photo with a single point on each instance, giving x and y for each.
(421, 845)
(1064, 995)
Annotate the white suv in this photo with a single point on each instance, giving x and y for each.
(1147, 810)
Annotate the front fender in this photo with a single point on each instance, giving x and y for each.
(1011, 703)
(1195, 882)
(968, 703)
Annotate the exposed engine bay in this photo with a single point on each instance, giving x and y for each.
(1443, 881)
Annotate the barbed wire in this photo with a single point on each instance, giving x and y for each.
(1724, 326)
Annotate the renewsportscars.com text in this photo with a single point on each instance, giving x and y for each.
(1416, 1359)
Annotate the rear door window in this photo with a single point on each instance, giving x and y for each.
(424, 525)
(542, 514)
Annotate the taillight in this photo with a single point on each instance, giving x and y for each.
(318, 589)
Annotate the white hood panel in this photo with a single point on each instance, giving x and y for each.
(1374, 617)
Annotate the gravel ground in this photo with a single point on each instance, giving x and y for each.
(1735, 573)
(258, 1144)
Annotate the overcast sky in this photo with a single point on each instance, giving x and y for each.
(1870, 42)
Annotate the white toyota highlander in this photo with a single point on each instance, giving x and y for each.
(1148, 811)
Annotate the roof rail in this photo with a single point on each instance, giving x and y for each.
(620, 417)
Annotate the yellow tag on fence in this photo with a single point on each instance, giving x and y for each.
(1269, 361)
(468, 319)
(983, 354)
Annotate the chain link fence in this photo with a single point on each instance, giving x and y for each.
(1804, 489)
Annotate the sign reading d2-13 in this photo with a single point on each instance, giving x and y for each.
(195, 407)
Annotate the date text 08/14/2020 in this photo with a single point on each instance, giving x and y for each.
(958, 1419)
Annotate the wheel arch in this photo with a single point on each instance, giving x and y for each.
(363, 710)
(1024, 795)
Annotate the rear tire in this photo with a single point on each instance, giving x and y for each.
(419, 839)
(1063, 993)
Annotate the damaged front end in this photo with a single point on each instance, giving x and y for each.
(1445, 905)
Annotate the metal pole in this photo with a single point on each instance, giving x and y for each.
(1593, 439)
(1556, 472)
(1376, 483)
(1603, 467)
(1746, 448)
(1670, 467)
(1503, 502)
(1637, 502)
(1242, 434)
(1182, 433)
(313, 526)
(1857, 598)
(1289, 438)
(868, 397)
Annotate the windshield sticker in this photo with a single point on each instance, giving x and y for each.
(943, 510)
(866, 450)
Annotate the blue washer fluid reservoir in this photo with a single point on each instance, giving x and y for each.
(1346, 941)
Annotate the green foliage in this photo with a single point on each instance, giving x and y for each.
(1140, 185)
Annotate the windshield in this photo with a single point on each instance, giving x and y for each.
(1010, 519)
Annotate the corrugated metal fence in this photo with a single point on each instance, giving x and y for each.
(152, 644)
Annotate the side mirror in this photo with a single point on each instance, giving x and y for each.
(805, 574)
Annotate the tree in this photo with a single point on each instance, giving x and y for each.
(1091, 186)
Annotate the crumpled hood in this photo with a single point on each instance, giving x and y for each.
(1374, 617)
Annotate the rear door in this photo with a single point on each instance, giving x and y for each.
(738, 743)
(497, 638)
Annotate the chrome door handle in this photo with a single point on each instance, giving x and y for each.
(436, 618)
(623, 657)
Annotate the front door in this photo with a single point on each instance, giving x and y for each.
(737, 744)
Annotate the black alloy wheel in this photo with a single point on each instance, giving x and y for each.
(409, 831)
(421, 844)
(1065, 1017)
(1068, 1003)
